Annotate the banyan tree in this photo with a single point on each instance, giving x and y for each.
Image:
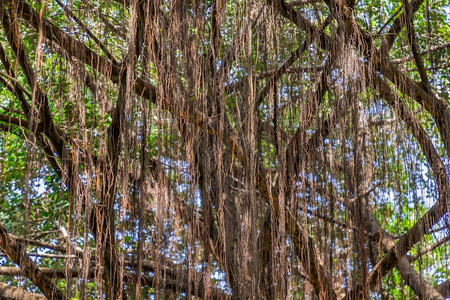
(211, 149)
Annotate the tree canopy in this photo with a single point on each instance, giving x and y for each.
(157, 149)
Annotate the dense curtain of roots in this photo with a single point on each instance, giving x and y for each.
(219, 149)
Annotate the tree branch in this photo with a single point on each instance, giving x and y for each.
(398, 25)
(435, 213)
(363, 41)
(429, 50)
(415, 48)
(428, 249)
(16, 293)
(174, 280)
(82, 52)
(84, 27)
(16, 252)
(271, 82)
(43, 110)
